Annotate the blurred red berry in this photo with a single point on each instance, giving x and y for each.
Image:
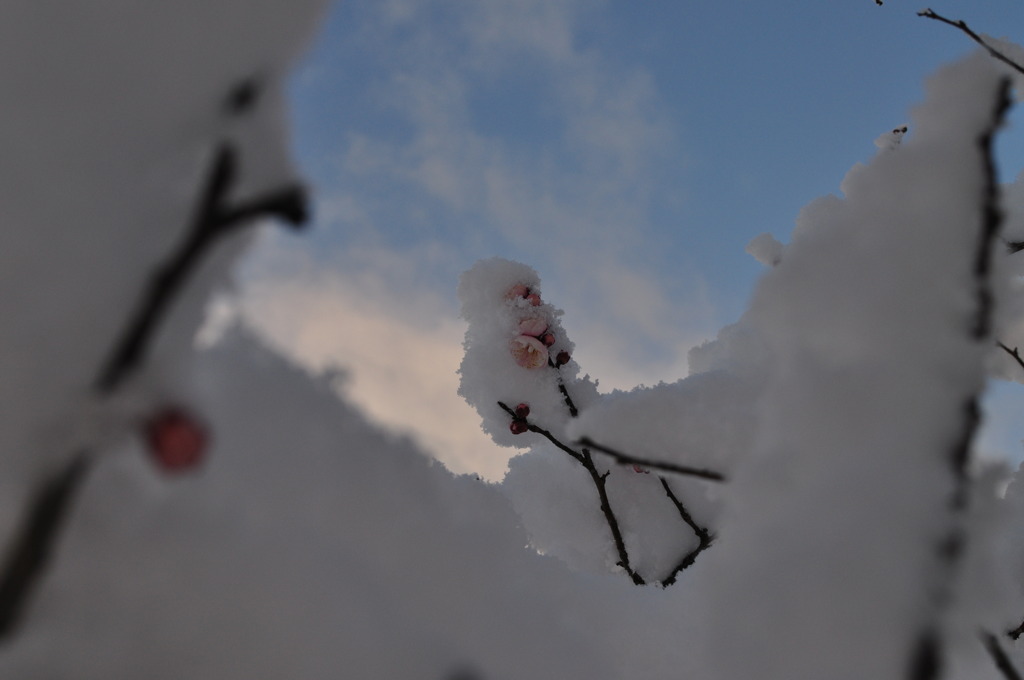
(522, 411)
(177, 441)
(518, 426)
(562, 358)
(547, 339)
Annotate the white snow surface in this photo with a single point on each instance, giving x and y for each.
(114, 111)
(832, 527)
(766, 249)
(312, 545)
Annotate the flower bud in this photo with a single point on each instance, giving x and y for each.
(522, 411)
(518, 426)
(562, 359)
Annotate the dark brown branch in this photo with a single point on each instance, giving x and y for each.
(31, 548)
(573, 411)
(609, 516)
(29, 553)
(1013, 353)
(1014, 246)
(999, 656)
(705, 539)
(926, 660)
(584, 458)
(1016, 632)
(960, 24)
(626, 459)
(544, 433)
(212, 220)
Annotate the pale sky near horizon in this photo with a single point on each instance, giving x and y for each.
(626, 150)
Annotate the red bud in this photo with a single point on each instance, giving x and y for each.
(176, 440)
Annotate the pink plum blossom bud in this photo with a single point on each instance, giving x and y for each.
(518, 426)
(522, 411)
(534, 299)
(641, 471)
(517, 291)
(533, 327)
(562, 359)
(528, 352)
(547, 339)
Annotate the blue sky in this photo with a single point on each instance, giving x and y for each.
(626, 150)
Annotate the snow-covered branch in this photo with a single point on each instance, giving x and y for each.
(213, 218)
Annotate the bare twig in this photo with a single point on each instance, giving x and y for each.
(599, 480)
(584, 458)
(999, 656)
(705, 539)
(573, 411)
(544, 433)
(626, 459)
(960, 24)
(31, 549)
(212, 219)
(1013, 353)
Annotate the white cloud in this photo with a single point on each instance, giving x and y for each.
(414, 202)
(399, 345)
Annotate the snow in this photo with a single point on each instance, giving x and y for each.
(833, 525)
(494, 303)
(766, 249)
(311, 544)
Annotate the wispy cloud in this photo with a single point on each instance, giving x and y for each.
(476, 129)
(399, 346)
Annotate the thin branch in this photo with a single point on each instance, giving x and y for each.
(626, 459)
(586, 460)
(1016, 632)
(573, 411)
(705, 538)
(1013, 353)
(544, 433)
(609, 516)
(999, 656)
(33, 546)
(212, 220)
(960, 24)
